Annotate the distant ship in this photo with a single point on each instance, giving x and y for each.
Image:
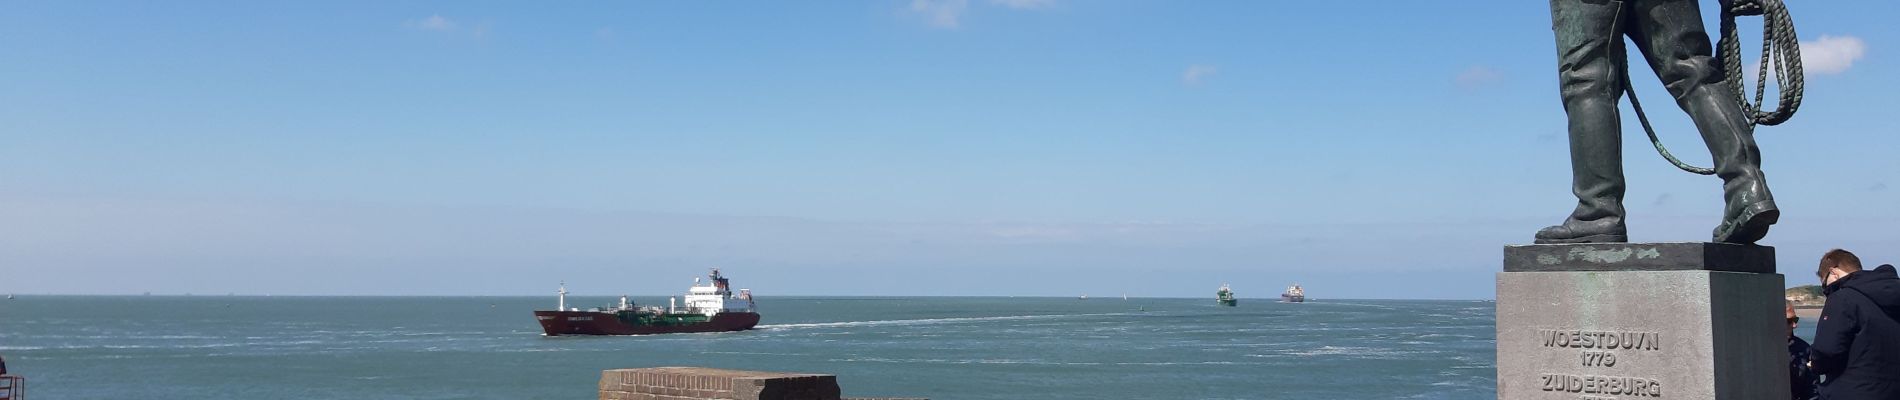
(711, 307)
(1225, 296)
(1082, 297)
(1294, 294)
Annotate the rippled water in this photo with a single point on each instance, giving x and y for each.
(943, 348)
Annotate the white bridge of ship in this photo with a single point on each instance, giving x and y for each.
(711, 299)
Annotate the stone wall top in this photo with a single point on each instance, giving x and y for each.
(694, 383)
(1640, 257)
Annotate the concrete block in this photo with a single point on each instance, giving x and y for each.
(691, 383)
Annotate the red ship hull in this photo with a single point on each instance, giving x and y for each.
(557, 323)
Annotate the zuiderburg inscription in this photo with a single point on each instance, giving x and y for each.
(1594, 384)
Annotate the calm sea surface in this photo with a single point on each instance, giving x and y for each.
(223, 347)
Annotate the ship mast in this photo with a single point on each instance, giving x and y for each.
(563, 292)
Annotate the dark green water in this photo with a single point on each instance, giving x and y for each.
(220, 347)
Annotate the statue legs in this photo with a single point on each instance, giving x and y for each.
(1670, 35)
(1591, 68)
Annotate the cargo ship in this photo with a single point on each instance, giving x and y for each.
(711, 306)
(1294, 294)
(1225, 296)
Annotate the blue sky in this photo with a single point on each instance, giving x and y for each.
(1022, 147)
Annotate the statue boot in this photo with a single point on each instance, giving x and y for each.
(1579, 230)
(1596, 167)
(1749, 208)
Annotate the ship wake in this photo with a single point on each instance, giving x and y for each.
(924, 321)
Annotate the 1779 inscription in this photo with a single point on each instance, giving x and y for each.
(1597, 350)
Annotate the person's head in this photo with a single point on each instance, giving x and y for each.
(1793, 320)
(1835, 264)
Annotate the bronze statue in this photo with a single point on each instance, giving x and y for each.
(1594, 74)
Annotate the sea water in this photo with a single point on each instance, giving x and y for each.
(945, 348)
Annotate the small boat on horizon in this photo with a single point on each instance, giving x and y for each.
(1294, 294)
(1225, 296)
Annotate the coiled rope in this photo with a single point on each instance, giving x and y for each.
(1780, 51)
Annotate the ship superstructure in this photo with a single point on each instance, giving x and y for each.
(710, 306)
(1294, 294)
(716, 296)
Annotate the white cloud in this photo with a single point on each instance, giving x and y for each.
(433, 23)
(439, 23)
(1832, 54)
(1197, 73)
(1477, 76)
(1035, 232)
(940, 13)
(1025, 4)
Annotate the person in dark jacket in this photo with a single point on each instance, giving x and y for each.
(1857, 340)
(1802, 381)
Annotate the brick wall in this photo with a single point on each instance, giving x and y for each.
(693, 383)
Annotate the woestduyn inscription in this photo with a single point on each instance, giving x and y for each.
(1598, 350)
(1608, 340)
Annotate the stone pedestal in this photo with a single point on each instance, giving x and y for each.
(1641, 320)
